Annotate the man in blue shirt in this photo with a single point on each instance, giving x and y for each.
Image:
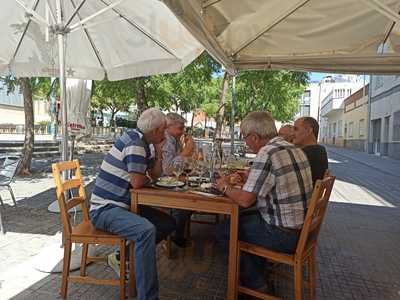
(133, 161)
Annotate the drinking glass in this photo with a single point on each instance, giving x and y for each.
(177, 168)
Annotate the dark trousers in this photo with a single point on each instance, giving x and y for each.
(253, 229)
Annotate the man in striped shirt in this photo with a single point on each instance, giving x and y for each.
(280, 184)
(132, 162)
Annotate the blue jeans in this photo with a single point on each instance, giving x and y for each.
(253, 229)
(143, 231)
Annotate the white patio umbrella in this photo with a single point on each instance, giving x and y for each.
(91, 39)
(343, 36)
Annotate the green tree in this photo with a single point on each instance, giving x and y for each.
(183, 90)
(30, 88)
(112, 95)
(275, 91)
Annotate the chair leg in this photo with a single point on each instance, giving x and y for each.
(1, 201)
(132, 279)
(237, 273)
(2, 231)
(298, 278)
(122, 260)
(65, 273)
(12, 194)
(85, 248)
(312, 274)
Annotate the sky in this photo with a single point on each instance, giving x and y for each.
(317, 76)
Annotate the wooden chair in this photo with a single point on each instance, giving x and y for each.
(84, 232)
(306, 246)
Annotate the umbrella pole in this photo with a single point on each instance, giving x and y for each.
(60, 38)
(233, 114)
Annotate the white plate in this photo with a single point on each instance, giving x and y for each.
(206, 185)
(198, 179)
(173, 184)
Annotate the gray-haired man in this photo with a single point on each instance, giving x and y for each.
(129, 164)
(172, 152)
(280, 183)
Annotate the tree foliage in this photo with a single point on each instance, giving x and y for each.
(114, 96)
(275, 91)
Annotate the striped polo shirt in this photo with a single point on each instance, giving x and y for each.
(129, 154)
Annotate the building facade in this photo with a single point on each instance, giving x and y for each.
(355, 120)
(12, 109)
(332, 111)
(384, 125)
(309, 101)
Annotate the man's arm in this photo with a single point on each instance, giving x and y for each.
(243, 198)
(156, 171)
(157, 168)
(138, 180)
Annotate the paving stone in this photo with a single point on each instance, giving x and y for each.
(357, 255)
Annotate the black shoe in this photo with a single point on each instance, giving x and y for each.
(180, 242)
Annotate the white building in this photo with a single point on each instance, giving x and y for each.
(384, 107)
(309, 101)
(12, 108)
(333, 91)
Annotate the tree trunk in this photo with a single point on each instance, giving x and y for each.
(27, 151)
(220, 114)
(205, 126)
(141, 95)
(192, 121)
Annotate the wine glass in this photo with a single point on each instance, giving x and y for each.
(177, 168)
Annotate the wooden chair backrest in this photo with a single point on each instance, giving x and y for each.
(63, 187)
(315, 214)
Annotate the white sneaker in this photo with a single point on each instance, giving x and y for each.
(113, 262)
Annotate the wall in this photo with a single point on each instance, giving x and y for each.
(15, 114)
(11, 114)
(356, 120)
(385, 102)
(335, 134)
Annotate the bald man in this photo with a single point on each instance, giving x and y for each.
(287, 132)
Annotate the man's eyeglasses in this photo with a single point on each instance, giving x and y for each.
(247, 135)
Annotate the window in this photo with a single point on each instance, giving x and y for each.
(305, 110)
(339, 93)
(396, 126)
(361, 128)
(348, 92)
(351, 127)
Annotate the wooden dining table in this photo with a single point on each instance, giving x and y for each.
(197, 202)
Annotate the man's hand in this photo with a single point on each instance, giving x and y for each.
(158, 149)
(188, 147)
(222, 183)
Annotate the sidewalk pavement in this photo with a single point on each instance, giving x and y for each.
(384, 164)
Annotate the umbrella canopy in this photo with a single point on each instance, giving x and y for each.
(103, 38)
(311, 35)
(91, 39)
